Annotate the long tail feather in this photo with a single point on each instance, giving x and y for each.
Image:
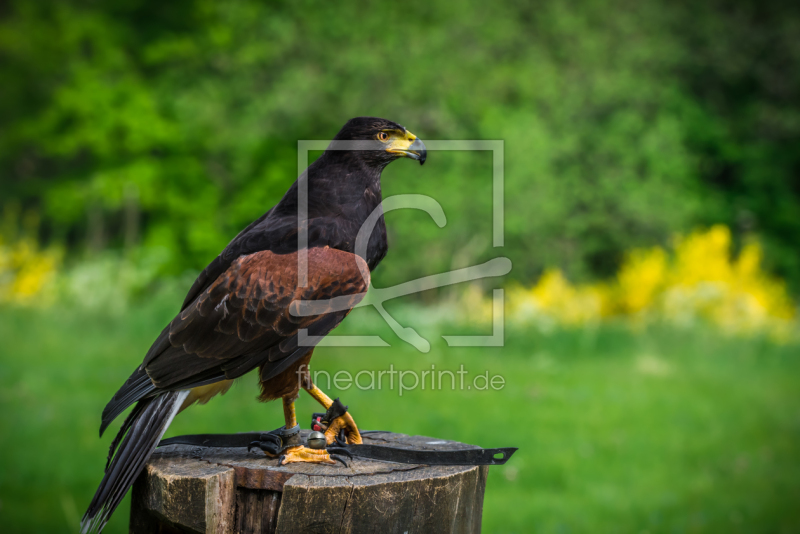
(135, 388)
(126, 425)
(145, 427)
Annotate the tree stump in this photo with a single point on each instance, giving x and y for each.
(188, 489)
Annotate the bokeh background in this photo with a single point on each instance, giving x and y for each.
(652, 215)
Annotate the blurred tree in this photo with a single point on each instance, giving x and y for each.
(623, 122)
(742, 121)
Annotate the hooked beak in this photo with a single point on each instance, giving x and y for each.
(418, 151)
(409, 146)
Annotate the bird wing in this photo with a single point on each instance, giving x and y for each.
(250, 316)
(275, 232)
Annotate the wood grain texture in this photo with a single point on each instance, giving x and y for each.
(257, 511)
(191, 495)
(206, 490)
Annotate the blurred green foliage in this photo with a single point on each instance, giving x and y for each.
(171, 125)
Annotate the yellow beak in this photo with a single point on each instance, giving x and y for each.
(408, 146)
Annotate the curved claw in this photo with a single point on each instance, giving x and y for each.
(281, 459)
(253, 445)
(337, 450)
(341, 438)
(339, 459)
(342, 431)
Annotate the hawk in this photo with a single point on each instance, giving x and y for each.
(244, 310)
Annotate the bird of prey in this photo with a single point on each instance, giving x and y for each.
(242, 312)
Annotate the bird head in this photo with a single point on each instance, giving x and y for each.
(378, 141)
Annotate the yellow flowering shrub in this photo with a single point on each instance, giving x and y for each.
(699, 281)
(555, 300)
(734, 294)
(25, 270)
(640, 279)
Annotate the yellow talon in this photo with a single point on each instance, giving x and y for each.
(304, 454)
(347, 423)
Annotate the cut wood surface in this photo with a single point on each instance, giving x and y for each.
(226, 490)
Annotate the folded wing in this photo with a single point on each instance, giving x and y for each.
(249, 316)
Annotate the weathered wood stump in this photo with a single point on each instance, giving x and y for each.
(186, 489)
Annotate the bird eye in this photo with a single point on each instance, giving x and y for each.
(383, 136)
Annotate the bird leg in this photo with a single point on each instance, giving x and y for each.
(297, 453)
(342, 429)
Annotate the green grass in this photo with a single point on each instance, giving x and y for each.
(655, 431)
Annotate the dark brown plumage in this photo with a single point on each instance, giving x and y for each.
(243, 311)
(243, 319)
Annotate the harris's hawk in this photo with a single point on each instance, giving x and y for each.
(242, 311)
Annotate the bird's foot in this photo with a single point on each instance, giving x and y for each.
(271, 444)
(300, 453)
(343, 431)
(338, 425)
